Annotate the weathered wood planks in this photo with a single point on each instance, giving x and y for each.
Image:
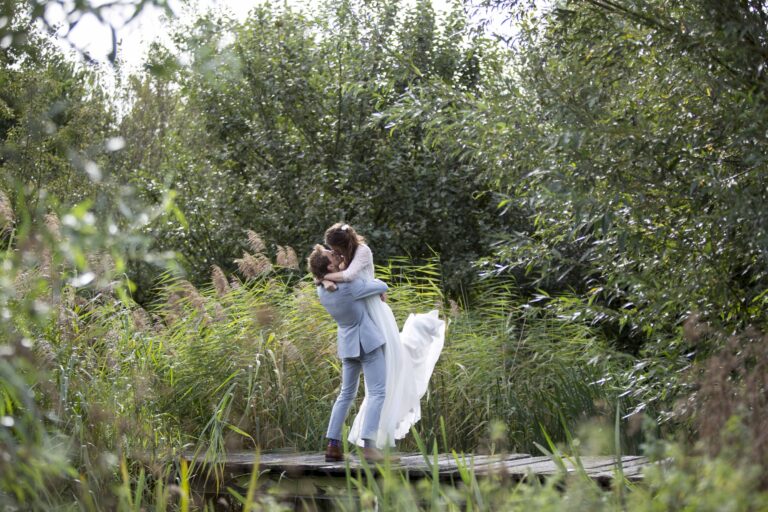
(416, 466)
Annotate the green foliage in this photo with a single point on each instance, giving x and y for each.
(650, 162)
(246, 365)
(284, 128)
(54, 122)
(622, 142)
(699, 483)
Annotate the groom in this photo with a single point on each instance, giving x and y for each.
(360, 348)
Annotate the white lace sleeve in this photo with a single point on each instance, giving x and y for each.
(363, 258)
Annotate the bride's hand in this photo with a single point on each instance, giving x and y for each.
(329, 285)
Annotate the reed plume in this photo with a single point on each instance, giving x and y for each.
(193, 294)
(53, 225)
(255, 242)
(7, 217)
(66, 318)
(253, 266)
(219, 280)
(286, 257)
(454, 308)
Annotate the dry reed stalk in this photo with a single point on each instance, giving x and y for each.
(23, 283)
(66, 318)
(290, 352)
(286, 257)
(193, 294)
(219, 280)
(253, 266)
(255, 242)
(111, 351)
(53, 225)
(733, 384)
(7, 218)
(45, 353)
(142, 322)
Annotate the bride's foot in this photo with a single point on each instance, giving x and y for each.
(375, 456)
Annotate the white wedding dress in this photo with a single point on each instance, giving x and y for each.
(410, 357)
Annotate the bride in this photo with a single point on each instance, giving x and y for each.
(410, 355)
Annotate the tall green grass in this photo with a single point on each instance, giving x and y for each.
(256, 366)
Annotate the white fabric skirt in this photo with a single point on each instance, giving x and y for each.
(410, 357)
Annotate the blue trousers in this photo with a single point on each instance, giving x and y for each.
(374, 369)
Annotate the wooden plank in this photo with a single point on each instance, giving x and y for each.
(593, 464)
(547, 466)
(449, 465)
(415, 465)
(510, 464)
(631, 473)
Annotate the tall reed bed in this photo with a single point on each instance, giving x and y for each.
(113, 392)
(99, 396)
(119, 392)
(254, 365)
(269, 362)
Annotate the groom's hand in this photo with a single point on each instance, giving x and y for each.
(383, 297)
(329, 285)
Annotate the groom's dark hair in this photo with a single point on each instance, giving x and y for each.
(318, 261)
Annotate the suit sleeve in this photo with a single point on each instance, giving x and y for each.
(364, 289)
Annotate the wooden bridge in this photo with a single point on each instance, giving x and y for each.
(307, 476)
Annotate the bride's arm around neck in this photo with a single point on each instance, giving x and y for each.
(363, 258)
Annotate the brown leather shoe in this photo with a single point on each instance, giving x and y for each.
(333, 453)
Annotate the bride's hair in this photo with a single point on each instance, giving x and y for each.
(345, 238)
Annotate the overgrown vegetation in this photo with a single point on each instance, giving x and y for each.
(583, 203)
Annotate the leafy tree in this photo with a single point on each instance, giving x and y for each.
(630, 135)
(54, 119)
(291, 129)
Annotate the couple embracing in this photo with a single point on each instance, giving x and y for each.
(396, 365)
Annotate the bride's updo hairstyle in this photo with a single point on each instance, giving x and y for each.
(345, 238)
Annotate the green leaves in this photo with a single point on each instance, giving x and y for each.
(292, 125)
(638, 171)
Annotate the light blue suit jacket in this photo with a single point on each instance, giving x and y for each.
(356, 328)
